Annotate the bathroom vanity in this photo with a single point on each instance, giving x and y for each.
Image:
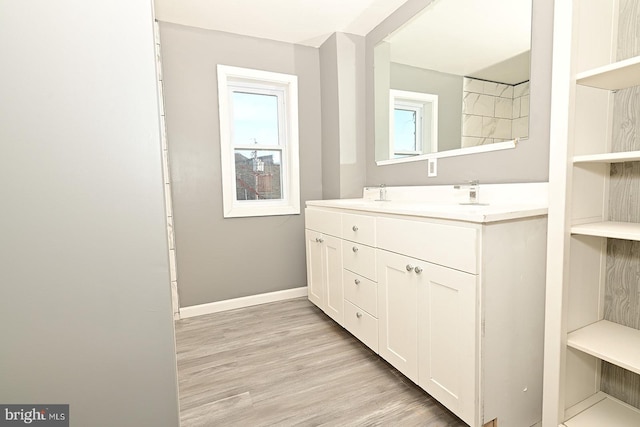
(449, 293)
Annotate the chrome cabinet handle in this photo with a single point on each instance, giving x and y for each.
(354, 228)
(317, 240)
(354, 249)
(358, 315)
(418, 270)
(357, 281)
(409, 267)
(320, 240)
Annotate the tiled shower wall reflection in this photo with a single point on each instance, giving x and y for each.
(494, 112)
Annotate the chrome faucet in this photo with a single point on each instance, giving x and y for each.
(474, 191)
(383, 193)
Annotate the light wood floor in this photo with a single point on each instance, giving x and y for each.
(285, 364)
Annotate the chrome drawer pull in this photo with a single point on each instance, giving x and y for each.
(409, 267)
(357, 281)
(358, 315)
(354, 228)
(354, 249)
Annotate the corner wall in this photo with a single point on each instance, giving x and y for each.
(343, 116)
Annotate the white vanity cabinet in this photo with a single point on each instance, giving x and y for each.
(447, 331)
(398, 312)
(361, 308)
(324, 263)
(428, 307)
(454, 303)
(428, 327)
(360, 277)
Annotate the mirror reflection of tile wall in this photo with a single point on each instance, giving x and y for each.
(494, 112)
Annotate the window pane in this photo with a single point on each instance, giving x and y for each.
(404, 132)
(255, 119)
(258, 174)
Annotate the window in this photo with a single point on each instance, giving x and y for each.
(413, 123)
(407, 131)
(258, 142)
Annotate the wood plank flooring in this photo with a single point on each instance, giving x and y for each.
(287, 364)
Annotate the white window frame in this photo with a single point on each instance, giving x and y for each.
(285, 87)
(414, 101)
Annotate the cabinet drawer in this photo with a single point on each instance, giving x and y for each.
(447, 245)
(323, 221)
(361, 292)
(359, 228)
(362, 325)
(360, 259)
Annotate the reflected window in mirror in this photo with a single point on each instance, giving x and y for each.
(413, 123)
(406, 131)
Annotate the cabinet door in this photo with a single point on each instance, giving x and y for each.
(315, 282)
(397, 312)
(447, 338)
(332, 277)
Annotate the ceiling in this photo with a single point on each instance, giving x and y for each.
(305, 22)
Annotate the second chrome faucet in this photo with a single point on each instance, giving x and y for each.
(474, 191)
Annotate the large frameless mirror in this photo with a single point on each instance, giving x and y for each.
(453, 80)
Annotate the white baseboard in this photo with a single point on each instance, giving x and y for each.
(232, 304)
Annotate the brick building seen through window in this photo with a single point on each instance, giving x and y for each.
(257, 175)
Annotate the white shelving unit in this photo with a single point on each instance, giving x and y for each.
(577, 338)
(602, 410)
(627, 156)
(619, 75)
(609, 341)
(610, 229)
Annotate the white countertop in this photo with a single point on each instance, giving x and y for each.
(532, 203)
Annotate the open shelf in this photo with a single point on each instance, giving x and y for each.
(603, 410)
(609, 341)
(626, 156)
(611, 229)
(619, 75)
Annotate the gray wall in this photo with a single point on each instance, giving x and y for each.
(217, 258)
(352, 89)
(529, 162)
(448, 87)
(343, 116)
(330, 118)
(391, 75)
(85, 308)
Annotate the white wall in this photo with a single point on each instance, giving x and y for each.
(85, 308)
